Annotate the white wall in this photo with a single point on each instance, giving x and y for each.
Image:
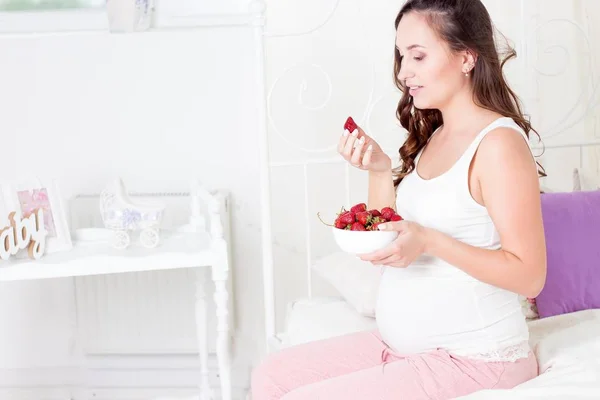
(156, 108)
(562, 67)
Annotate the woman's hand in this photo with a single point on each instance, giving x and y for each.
(363, 152)
(409, 245)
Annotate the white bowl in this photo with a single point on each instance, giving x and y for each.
(362, 242)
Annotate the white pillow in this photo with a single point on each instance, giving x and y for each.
(308, 320)
(357, 281)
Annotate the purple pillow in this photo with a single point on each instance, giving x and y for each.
(572, 229)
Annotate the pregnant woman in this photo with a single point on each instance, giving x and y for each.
(472, 239)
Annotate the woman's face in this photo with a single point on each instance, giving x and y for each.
(431, 72)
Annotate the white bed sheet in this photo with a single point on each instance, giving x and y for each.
(567, 347)
(568, 351)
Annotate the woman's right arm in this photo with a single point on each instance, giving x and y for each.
(381, 190)
(364, 153)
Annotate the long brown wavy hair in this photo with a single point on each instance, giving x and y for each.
(464, 25)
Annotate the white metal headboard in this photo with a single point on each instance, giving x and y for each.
(268, 166)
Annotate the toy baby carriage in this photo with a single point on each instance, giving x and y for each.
(122, 215)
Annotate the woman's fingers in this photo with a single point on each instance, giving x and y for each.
(342, 141)
(396, 260)
(367, 156)
(356, 157)
(399, 264)
(347, 152)
(355, 148)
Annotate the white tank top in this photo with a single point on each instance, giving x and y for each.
(432, 304)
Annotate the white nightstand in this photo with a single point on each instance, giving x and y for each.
(177, 249)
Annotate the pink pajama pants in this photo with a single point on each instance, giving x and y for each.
(360, 366)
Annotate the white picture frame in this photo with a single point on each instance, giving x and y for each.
(25, 196)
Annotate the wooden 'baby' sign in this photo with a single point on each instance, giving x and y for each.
(24, 233)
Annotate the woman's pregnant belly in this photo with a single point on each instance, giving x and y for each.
(417, 312)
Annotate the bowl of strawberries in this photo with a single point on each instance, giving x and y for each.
(355, 231)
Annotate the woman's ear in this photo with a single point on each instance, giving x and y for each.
(469, 58)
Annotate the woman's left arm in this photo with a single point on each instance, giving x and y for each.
(510, 190)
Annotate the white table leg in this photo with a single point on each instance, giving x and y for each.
(220, 276)
(202, 333)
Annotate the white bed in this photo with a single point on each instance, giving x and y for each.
(568, 350)
(567, 347)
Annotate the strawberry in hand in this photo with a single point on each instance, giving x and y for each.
(350, 125)
(362, 151)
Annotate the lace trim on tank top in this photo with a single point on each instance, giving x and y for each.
(507, 354)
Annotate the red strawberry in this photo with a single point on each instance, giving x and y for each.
(376, 221)
(339, 224)
(375, 213)
(360, 207)
(387, 212)
(357, 226)
(350, 125)
(347, 217)
(396, 217)
(375, 225)
(363, 217)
